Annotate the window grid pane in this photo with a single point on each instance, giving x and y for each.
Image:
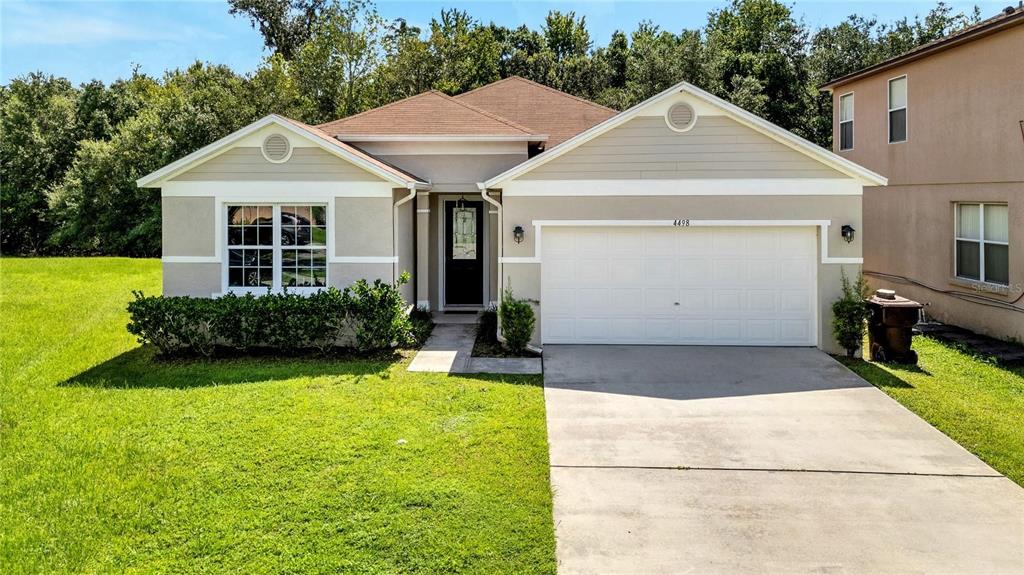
(846, 136)
(898, 125)
(997, 264)
(254, 255)
(968, 222)
(846, 108)
(997, 223)
(968, 259)
(898, 93)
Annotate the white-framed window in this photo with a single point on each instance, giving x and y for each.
(982, 242)
(898, 110)
(276, 246)
(846, 122)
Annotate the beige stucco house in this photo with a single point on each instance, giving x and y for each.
(945, 124)
(683, 220)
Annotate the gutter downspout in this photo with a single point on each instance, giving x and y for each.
(394, 240)
(501, 236)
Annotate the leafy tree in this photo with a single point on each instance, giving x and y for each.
(334, 67)
(97, 208)
(285, 24)
(38, 123)
(755, 50)
(464, 53)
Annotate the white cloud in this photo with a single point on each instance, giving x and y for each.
(71, 24)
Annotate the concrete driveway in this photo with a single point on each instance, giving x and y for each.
(759, 460)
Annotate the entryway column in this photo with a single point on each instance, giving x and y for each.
(423, 275)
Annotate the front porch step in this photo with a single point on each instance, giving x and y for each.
(449, 318)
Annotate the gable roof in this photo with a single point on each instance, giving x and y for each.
(730, 110)
(324, 140)
(430, 115)
(560, 115)
(1007, 18)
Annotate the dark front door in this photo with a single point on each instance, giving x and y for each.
(463, 253)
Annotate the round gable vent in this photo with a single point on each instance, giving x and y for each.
(276, 148)
(681, 117)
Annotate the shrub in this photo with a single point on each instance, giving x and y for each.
(285, 323)
(174, 325)
(850, 314)
(379, 313)
(517, 321)
(422, 325)
(487, 327)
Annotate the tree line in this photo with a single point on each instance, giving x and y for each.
(70, 155)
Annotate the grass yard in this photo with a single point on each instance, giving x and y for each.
(113, 462)
(977, 403)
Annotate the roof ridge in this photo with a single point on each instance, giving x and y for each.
(539, 85)
(491, 115)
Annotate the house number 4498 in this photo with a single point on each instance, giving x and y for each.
(681, 223)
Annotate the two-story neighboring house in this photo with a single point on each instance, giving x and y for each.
(945, 124)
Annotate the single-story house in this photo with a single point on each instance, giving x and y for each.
(683, 220)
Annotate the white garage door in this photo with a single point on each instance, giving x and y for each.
(679, 285)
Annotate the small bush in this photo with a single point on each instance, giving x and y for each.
(850, 314)
(487, 326)
(379, 313)
(422, 325)
(369, 316)
(517, 321)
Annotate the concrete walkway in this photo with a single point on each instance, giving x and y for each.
(449, 349)
(759, 460)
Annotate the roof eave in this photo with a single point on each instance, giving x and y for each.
(439, 138)
(157, 178)
(938, 46)
(851, 169)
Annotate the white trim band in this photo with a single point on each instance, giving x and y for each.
(538, 225)
(363, 260)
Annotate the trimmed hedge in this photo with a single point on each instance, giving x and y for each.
(517, 321)
(366, 316)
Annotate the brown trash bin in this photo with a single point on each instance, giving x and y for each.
(891, 327)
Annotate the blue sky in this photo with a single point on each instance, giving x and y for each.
(86, 40)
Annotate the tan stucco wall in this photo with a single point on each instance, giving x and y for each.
(406, 243)
(188, 226)
(344, 275)
(964, 106)
(964, 143)
(362, 227)
(197, 280)
(525, 278)
(909, 232)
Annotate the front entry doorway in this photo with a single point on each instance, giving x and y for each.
(463, 253)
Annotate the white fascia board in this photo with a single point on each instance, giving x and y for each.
(750, 120)
(685, 187)
(156, 179)
(356, 138)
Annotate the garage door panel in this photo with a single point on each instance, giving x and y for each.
(660, 271)
(711, 286)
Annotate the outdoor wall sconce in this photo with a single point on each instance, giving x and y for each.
(518, 233)
(848, 232)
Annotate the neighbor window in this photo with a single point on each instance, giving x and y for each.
(982, 242)
(898, 109)
(846, 121)
(277, 246)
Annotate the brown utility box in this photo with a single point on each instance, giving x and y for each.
(891, 327)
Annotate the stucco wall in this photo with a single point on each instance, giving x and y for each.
(964, 106)
(909, 232)
(362, 227)
(525, 277)
(188, 226)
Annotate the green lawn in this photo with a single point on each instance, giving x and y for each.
(977, 403)
(113, 462)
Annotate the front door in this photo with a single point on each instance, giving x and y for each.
(463, 253)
